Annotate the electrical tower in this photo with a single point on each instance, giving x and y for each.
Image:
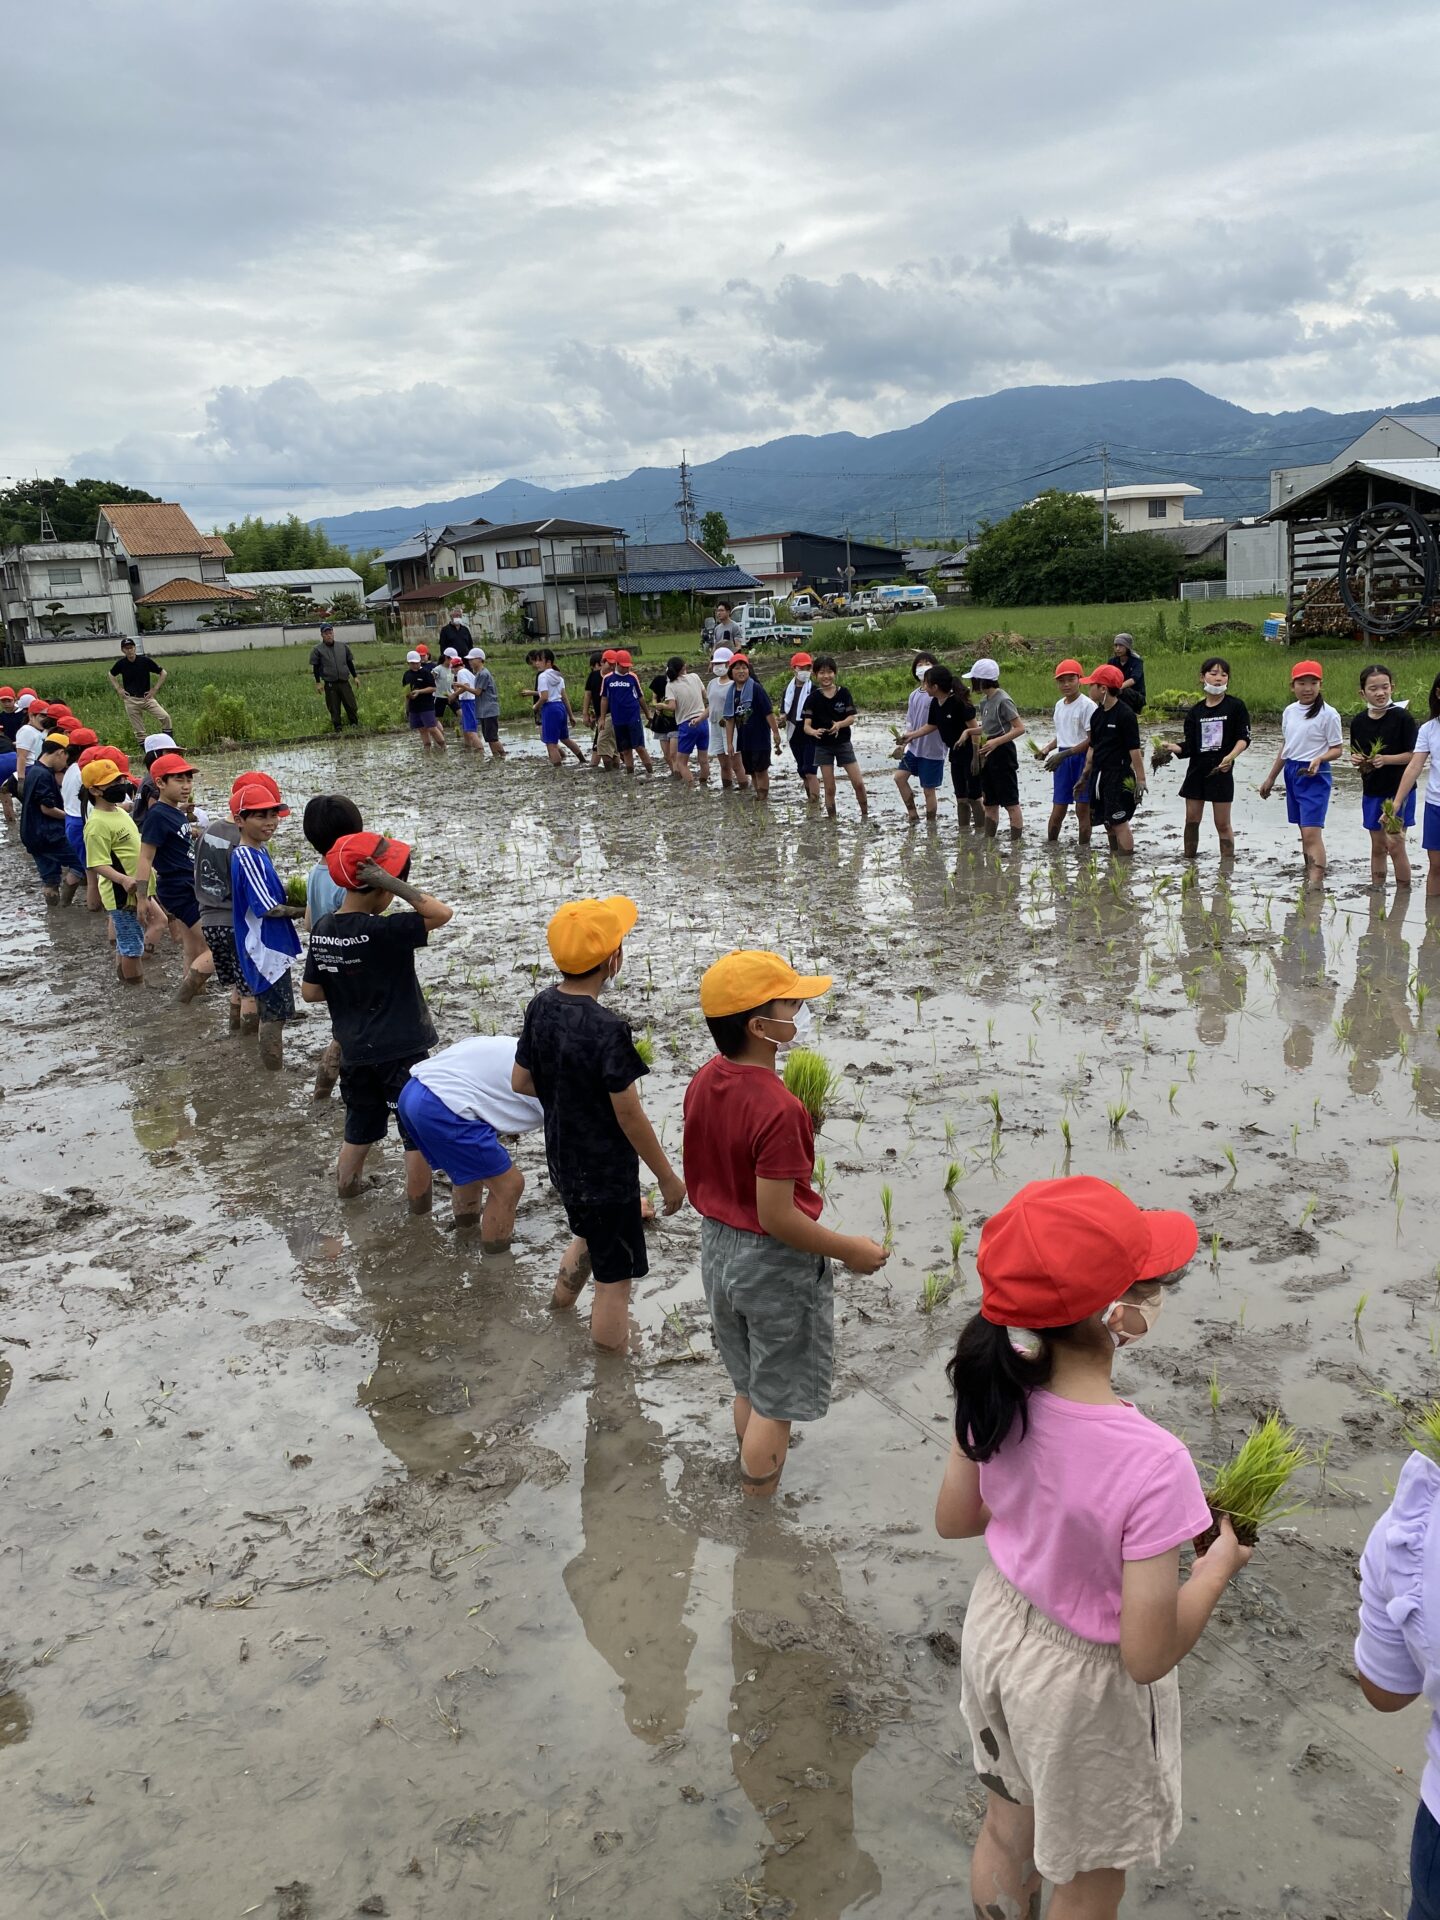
(685, 505)
(944, 506)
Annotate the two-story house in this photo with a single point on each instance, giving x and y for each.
(169, 564)
(57, 587)
(562, 575)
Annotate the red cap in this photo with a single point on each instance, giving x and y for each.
(423, 651)
(1106, 676)
(94, 751)
(798, 660)
(83, 737)
(37, 707)
(743, 658)
(609, 657)
(7, 693)
(255, 780)
(1310, 667)
(622, 658)
(1068, 666)
(352, 850)
(170, 763)
(256, 798)
(1064, 1249)
(25, 690)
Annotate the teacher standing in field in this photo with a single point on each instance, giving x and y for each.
(334, 671)
(130, 676)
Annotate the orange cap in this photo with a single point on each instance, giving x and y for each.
(1064, 1249)
(1303, 668)
(584, 933)
(84, 737)
(1068, 666)
(748, 979)
(797, 660)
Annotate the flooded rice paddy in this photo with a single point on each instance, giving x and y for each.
(338, 1575)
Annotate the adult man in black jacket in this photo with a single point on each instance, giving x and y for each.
(334, 672)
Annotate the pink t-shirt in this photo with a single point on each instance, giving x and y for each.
(1085, 1490)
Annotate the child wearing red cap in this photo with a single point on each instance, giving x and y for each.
(1064, 752)
(1313, 737)
(1076, 1625)
(793, 702)
(622, 707)
(265, 940)
(361, 965)
(579, 1061)
(1114, 762)
(216, 901)
(167, 847)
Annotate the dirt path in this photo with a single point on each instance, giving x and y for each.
(341, 1577)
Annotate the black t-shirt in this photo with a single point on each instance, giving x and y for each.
(594, 681)
(1133, 669)
(1393, 732)
(663, 720)
(1211, 732)
(951, 716)
(136, 675)
(366, 964)
(423, 680)
(578, 1053)
(1114, 736)
(10, 725)
(822, 711)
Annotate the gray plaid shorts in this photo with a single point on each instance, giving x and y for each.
(772, 1309)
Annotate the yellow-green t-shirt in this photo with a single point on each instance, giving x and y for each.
(112, 839)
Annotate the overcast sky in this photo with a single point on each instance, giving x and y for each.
(334, 256)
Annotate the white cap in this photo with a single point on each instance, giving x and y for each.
(983, 669)
(412, 659)
(476, 653)
(452, 653)
(721, 657)
(154, 742)
(26, 701)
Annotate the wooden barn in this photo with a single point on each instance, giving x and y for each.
(1382, 517)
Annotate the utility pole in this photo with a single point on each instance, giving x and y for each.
(895, 525)
(944, 506)
(1105, 498)
(685, 505)
(47, 530)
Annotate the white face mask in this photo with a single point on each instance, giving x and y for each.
(1216, 686)
(802, 674)
(804, 1025)
(920, 672)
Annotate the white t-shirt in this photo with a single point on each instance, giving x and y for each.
(1307, 739)
(444, 678)
(793, 703)
(465, 683)
(1428, 741)
(70, 791)
(688, 693)
(1072, 721)
(716, 694)
(473, 1080)
(29, 741)
(551, 685)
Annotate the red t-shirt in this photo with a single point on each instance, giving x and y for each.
(741, 1125)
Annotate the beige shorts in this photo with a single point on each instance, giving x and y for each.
(1056, 1723)
(605, 739)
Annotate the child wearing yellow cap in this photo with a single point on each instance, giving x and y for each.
(579, 1061)
(749, 1167)
(112, 853)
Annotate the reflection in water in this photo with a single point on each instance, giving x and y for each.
(1215, 977)
(7, 1375)
(1426, 1076)
(797, 1731)
(630, 1581)
(1377, 1007)
(15, 1716)
(1304, 992)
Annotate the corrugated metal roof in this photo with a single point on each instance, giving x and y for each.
(411, 549)
(1409, 473)
(298, 577)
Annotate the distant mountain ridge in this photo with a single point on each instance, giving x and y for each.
(996, 451)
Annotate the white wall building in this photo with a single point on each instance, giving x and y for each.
(63, 586)
(1150, 508)
(563, 574)
(1414, 436)
(322, 585)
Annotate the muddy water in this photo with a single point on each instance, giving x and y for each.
(337, 1571)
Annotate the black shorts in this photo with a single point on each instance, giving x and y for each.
(179, 903)
(370, 1092)
(615, 1235)
(489, 724)
(963, 777)
(839, 752)
(756, 761)
(221, 942)
(1215, 787)
(1116, 795)
(1000, 777)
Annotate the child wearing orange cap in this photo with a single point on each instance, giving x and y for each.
(1064, 752)
(794, 699)
(11, 721)
(1079, 1619)
(1312, 738)
(361, 965)
(265, 940)
(749, 1167)
(1114, 763)
(579, 1061)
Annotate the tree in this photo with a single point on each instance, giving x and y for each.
(1052, 551)
(73, 507)
(345, 606)
(715, 536)
(269, 546)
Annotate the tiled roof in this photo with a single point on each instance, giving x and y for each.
(215, 543)
(180, 593)
(159, 526)
(433, 590)
(668, 556)
(689, 580)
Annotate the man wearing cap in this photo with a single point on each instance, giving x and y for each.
(334, 669)
(1114, 764)
(764, 1257)
(579, 1061)
(1132, 671)
(131, 676)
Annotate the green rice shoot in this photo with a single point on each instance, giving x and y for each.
(935, 1290)
(813, 1081)
(1422, 1432)
(1251, 1487)
(645, 1047)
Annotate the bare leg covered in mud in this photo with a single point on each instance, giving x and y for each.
(1004, 1882)
(610, 1307)
(350, 1180)
(496, 1221)
(763, 1447)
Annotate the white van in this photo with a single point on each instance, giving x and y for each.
(903, 599)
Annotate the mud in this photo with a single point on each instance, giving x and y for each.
(341, 1576)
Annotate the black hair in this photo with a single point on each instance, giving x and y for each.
(154, 754)
(1435, 698)
(1215, 660)
(674, 665)
(1316, 706)
(1375, 666)
(328, 818)
(942, 678)
(545, 656)
(976, 681)
(729, 1031)
(825, 663)
(992, 1383)
(596, 657)
(923, 654)
(72, 754)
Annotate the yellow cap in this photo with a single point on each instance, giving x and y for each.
(584, 933)
(99, 773)
(741, 981)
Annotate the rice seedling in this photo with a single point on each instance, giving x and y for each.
(1030, 1049)
(992, 1100)
(813, 1081)
(822, 1174)
(1065, 1136)
(1422, 994)
(1294, 1136)
(990, 1032)
(957, 1241)
(645, 1047)
(1190, 1057)
(952, 1176)
(1215, 1249)
(1116, 1111)
(1174, 1089)
(1217, 1394)
(1307, 1212)
(1422, 1431)
(887, 1204)
(1229, 1153)
(1315, 1111)
(1357, 1314)
(935, 1290)
(1394, 1166)
(1249, 1488)
(997, 1148)
(949, 1134)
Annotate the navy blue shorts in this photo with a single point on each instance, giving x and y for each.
(1370, 810)
(468, 722)
(928, 772)
(75, 835)
(464, 1150)
(48, 866)
(1425, 1862)
(803, 748)
(1430, 831)
(179, 903)
(629, 735)
(1068, 787)
(423, 717)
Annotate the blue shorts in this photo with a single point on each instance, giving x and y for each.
(7, 766)
(1068, 788)
(75, 834)
(468, 722)
(1307, 795)
(1425, 1862)
(554, 725)
(49, 866)
(1430, 830)
(693, 737)
(629, 735)
(928, 772)
(129, 934)
(178, 902)
(465, 1150)
(804, 750)
(423, 717)
(1371, 804)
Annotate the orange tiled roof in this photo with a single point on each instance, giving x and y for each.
(158, 526)
(179, 593)
(215, 543)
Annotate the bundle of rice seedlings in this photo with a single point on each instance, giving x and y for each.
(295, 889)
(1160, 753)
(1249, 1488)
(1034, 746)
(1423, 1432)
(812, 1080)
(645, 1047)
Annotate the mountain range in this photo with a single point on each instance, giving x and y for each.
(972, 460)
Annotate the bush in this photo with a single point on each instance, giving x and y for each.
(223, 717)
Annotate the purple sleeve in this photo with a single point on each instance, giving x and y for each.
(1381, 1652)
(1169, 1509)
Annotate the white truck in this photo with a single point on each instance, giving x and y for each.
(757, 622)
